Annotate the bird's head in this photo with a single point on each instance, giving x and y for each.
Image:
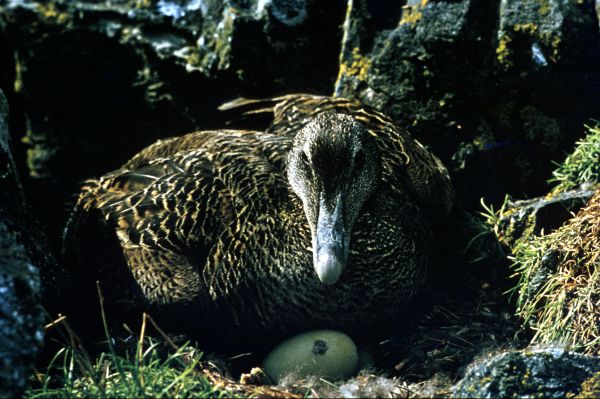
(333, 166)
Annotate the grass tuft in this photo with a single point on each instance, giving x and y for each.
(146, 374)
(151, 368)
(483, 231)
(558, 273)
(558, 293)
(582, 166)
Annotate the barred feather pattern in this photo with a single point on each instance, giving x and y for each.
(406, 163)
(209, 219)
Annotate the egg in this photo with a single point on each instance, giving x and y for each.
(324, 353)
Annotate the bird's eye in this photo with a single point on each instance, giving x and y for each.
(304, 159)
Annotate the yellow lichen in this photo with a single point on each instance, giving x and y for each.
(544, 7)
(358, 67)
(18, 83)
(590, 388)
(547, 38)
(52, 13)
(411, 14)
(503, 51)
(143, 4)
(528, 28)
(555, 44)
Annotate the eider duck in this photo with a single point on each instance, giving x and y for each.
(321, 221)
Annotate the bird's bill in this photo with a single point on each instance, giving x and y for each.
(330, 250)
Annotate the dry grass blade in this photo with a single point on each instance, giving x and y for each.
(558, 293)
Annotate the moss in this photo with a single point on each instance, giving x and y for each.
(508, 223)
(581, 166)
(38, 156)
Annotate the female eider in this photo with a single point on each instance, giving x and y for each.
(319, 222)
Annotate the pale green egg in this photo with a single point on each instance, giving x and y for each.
(324, 353)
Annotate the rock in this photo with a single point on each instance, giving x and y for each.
(545, 373)
(497, 89)
(21, 331)
(523, 219)
(142, 70)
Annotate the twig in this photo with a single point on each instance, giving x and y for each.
(104, 322)
(140, 347)
(77, 344)
(162, 333)
(142, 336)
(111, 347)
(71, 339)
(54, 323)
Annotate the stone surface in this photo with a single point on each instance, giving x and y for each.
(498, 89)
(21, 331)
(526, 218)
(96, 81)
(544, 373)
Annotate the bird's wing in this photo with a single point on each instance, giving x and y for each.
(167, 202)
(172, 201)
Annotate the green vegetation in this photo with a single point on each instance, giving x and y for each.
(558, 288)
(151, 368)
(583, 165)
(483, 229)
(558, 280)
(146, 374)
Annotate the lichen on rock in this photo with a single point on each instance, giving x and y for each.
(21, 332)
(521, 59)
(544, 373)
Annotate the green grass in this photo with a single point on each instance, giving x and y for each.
(140, 368)
(557, 273)
(144, 370)
(146, 373)
(558, 289)
(583, 165)
(482, 229)
(143, 375)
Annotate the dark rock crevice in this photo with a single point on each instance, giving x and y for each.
(96, 82)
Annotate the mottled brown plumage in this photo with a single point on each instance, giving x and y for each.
(222, 227)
